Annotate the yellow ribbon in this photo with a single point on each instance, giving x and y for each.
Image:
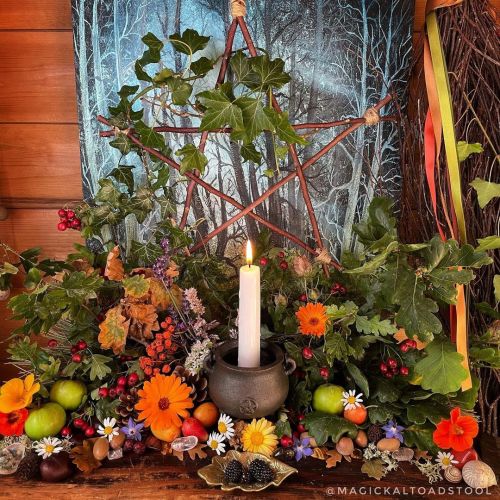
(442, 86)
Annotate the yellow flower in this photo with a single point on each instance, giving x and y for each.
(16, 393)
(258, 437)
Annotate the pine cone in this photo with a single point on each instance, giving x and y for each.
(29, 468)
(125, 409)
(375, 434)
(197, 381)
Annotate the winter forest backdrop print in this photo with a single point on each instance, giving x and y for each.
(343, 55)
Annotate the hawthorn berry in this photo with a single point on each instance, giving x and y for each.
(412, 344)
(301, 428)
(120, 390)
(75, 224)
(383, 367)
(65, 432)
(76, 358)
(112, 393)
(132, 379)
(62, 226)
(263, 261)
(89, 431)
(404, 371)
(122, 381)
(404, 347)
(395, 371)
(79, 423)
(392, 363)
(52, 343)
(300, 417)
(74, 349)
(388, 374)
(307, 353)
(70, 214)
(128, 445)
(81, 345)
(103, 392)
(303, 298)
(286, 441)
(284, 265)
(281, 255)
(324, 372)
(139, 447)
(62, 213)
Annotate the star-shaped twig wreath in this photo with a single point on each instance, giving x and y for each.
(371, 117)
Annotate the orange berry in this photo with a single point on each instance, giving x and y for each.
(165, 369)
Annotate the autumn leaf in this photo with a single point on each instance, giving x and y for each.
(334, 457)
(422, 454)
(114, 265)
(113, 330)
(143, 320)
(320, 453)
(178, 454)
(374, 468)
(160, 297)
(197, 451)
(83, 457)
(136, 286)
(400, 335)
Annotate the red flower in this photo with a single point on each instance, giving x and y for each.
(12, 424)
(458, 432)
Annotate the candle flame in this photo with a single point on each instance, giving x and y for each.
(249, 253)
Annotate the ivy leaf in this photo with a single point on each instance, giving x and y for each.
(254, 119)
(283, 128)
(374, 468)
(136, 286)
(128, 90)
(124, 175)
(250, 153)
(192, 159)
(181, 90)
(485, 190)
(375, 326)
(190, 41)
(359, 378)
(220, 110)
(148, 136)
(488, 243)
(267, 73)
(99, 366)
(240, 64)
(163, 76)
(152, 41)
(322, 426)
(151, 55)
(146, 253)
(336, 347)
(201, 66)
(465, 149)
(113, 330)
(441, 370)
(122, 143)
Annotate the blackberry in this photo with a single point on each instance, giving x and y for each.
(233, 472)
(261, 471)
(246, 477)
(375, 434)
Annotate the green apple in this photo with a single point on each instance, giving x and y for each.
(327, 398)
(45, 421)
(68, 393)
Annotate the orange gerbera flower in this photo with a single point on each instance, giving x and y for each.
(12, 424)
(457, 433)
(16, 393)
(162, 400)
(312, 319)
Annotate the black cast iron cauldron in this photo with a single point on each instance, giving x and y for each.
(248, 392)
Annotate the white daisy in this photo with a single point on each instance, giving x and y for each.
(225, 426)
(351, 400)
(216, 443)
(445, 460)
(108, 429)
(47, 446)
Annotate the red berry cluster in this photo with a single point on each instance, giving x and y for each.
(76, 351)
(159, 350)
(390, 368)
(407, 345)
(338, 289)
(123, 383)
(138, 447)
(89, 429)
(68, 220)
(282, 262)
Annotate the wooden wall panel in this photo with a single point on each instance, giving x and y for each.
(39, 163)
(35, 14)
(37, 77)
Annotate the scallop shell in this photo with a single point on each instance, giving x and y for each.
(345, 446)
(453, 474)
(477, 475)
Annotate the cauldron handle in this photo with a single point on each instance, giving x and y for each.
(289, 364)
(208, 362)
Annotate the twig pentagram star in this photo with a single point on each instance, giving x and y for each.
(370, 118)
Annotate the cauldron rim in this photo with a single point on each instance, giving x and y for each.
(229, 345)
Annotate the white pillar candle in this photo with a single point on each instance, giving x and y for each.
(249, 314)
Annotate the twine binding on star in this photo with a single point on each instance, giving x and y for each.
(371, 116)
(238, 8)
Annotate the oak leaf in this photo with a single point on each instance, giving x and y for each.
(161, 297)
(374, 468)
(114, 265)
(422, 454)
(113, 330)
(136, 286)
(83, 457)
(334, 457)
(197, 451)
(143, 320)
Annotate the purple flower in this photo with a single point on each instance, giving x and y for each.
(302, 448)
(393, 430)
(133, 430)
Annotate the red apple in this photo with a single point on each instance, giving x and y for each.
(464, 456)
(193, 427)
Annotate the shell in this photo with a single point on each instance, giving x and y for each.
(452, 474)
(477, 475)
(345, 446)
(361, 439)
(403, 454)
(388, 444)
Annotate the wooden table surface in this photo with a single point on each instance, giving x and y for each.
(155, 476)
